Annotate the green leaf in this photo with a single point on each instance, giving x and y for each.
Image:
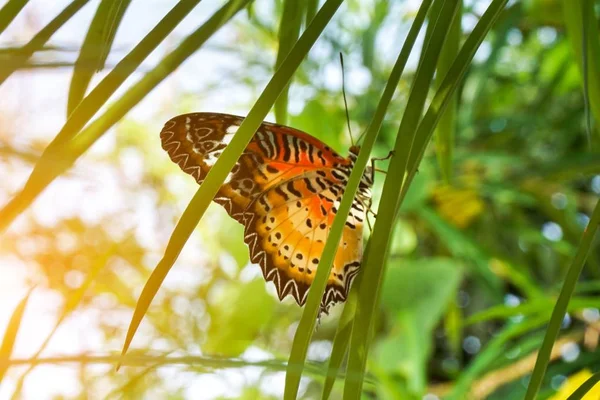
(10, 335)
(462, 246)
(587, 386)
(449, 84)
(562, 303)
(86, 109)
(19, 59)
(420, 189)
(307, 322)
(380, 239)
(95, 48)
(228, 236)
(490, 354)
(311, 9)
(11, 9)
(342, 337)
(444, 143)
(340, 342)
(574, 12)
(416, 292)
(237, 315)
(63, 156)
(319, 117)
(289, 29)
(226, 161)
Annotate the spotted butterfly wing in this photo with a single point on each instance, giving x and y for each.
(285, 189)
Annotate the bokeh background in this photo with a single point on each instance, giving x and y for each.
(471, 258)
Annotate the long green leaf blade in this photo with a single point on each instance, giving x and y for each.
(444, 143)
(289, 29)
(95, 48)
(340, 341)
(12, 329)
(227, 160)
(579, 16)
(64, 156)
(127, 66)
(449, 85)
(568, 288)
(373, 273)
(19, 59)
(11, 9)
(342, 337)
(586, 387)
(311, 9)
(493, 349)
(307, 322)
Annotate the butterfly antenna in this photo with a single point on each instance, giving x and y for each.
(345, 102)
(361, 136)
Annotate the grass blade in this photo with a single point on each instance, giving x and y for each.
(562, 303)
(10, 10)
(460, 245)
(373, 271)
(449, 85)
(370, 296)
(289, 29)
(227, 160)
(444, 143)
(340, 341)
(493, 349)
(343, 333)
(574, 13)
(102, 92)
(311, 9)
(586, 387)
(73, 301)
(95, 48)
(307, 322)
(59, 160)
(8, 342)
(19, 59)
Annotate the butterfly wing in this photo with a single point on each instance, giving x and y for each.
(285, 190)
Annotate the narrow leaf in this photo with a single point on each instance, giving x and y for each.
(311, 9)
(492, 351)
(373, 271)
(562, 303)
(10, 335)
(127, 66)
(61, 158)
(307, 322)
(95, 48)
(579, 17)
(449, 84)
(10, 10)
(444, 143)
(20, 58)
(289, 29)
(340, 341)
(217, 174)
(342, 337)
(585, 388)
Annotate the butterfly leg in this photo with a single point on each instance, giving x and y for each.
(390, 154)
(368, 210)
(369, 224)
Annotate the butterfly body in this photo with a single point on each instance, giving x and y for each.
(285, 189)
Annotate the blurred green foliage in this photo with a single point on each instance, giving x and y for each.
(470, 259)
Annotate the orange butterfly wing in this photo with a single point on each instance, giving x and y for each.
(285, 190)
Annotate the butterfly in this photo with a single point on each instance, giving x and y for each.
(285, 190)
